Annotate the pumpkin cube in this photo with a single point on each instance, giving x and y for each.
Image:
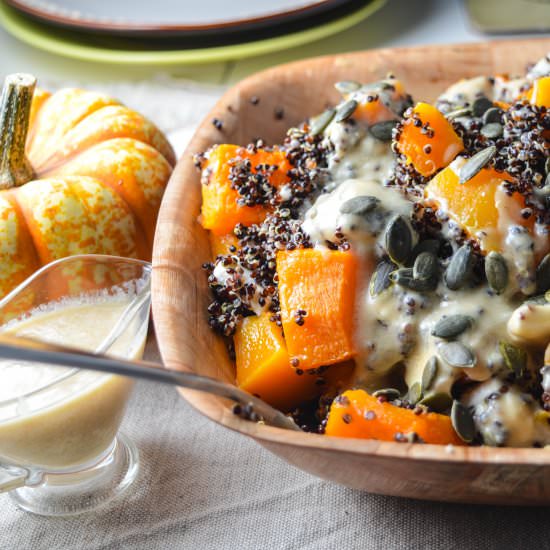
(428, 140)
(221, 211)
(360, 415)
(317, 297)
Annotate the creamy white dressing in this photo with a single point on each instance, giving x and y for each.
(507, 417)
(466, 91)
(540, 69)
(240, 276)
(324, 218)
(357, 154)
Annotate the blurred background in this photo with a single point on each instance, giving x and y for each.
(172, 60)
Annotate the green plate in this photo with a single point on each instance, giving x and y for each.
(71, 44)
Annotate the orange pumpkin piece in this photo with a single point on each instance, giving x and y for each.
(358, 414)
(375, 110)
(477, 205)
(264, 368)
(428, 140)
(540, 93)
(220, 210)
(220, 244)
(317, 296)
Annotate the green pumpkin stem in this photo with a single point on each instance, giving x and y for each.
(15, 110)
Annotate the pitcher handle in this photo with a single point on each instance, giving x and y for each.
(11, 478)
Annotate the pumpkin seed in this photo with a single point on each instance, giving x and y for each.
(404, 277)
(460, 267)
(463, 422)
(359, 205)
(476, 163)
(425, 266)
(399, 239)
(492, 115)
(492, 130)
(389, 393)
(464, 111)
(383, 130)
(427, 245)
(543, 274)
(547, 166)
(481, 105)
(319, 123)
(345, 110)
(496, 271)
(438, 402)
(380, 279)
(429, 373)
(414, 394)
(451, 326)
(514, 357)
(456, 354)
(347, 86)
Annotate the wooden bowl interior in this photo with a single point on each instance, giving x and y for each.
(287, 95)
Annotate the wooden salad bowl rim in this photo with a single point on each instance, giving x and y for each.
(301, 89)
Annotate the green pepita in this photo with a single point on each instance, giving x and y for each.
(492, 130)
(481, 105)
(347, 86)
(437, 402)
(543, 274)
(414, 395)
(460, 268)
(451, 326)
(380, 279)
(476, 163)
(514, 357)
(427, 245)
(496, 271)
(429, 373)
(345, 110)
(359, 205)
(404, 277)
(456, 354)
(493, 114)
(463, 422)
(425, 266)
(319, 123)
(464, 111)
(383, 130)
(398, 239)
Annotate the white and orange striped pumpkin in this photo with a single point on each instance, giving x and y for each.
(79, 173)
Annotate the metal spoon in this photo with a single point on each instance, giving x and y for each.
(28, 349)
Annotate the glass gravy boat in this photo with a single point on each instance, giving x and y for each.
(60, 452)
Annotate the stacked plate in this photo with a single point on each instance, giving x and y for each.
(171, 31)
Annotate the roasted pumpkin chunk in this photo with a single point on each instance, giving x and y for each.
(317, 296)
(540, 95)
(358, 414)
(480, 206)
(428, 140)
(221, 210)
(264, 367)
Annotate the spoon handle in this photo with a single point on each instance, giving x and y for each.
(27, 349)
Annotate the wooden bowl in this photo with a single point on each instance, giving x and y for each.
(288, 94)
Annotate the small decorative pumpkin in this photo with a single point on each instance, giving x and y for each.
(79, 173)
